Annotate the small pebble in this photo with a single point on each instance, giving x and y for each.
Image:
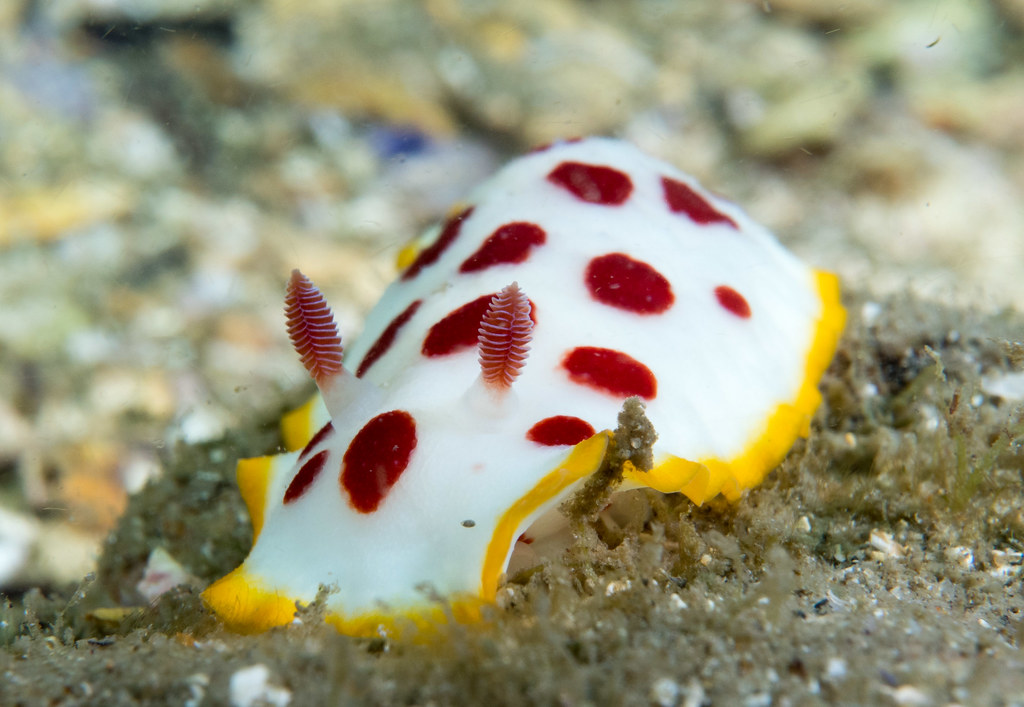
(250, 687)
(665, 692)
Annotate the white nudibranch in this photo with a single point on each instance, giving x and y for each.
(470, 406)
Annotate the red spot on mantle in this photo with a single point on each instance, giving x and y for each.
(610, 371)
(733, 301)
(387, 338)
(510, 243)
(319, 437)
(429, 255)
(560, 430)
(620, 281)
(460, 329)
(376, 458)
(682, 199)
(592, 183)
(306, 476)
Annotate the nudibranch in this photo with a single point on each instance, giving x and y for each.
(480, 393)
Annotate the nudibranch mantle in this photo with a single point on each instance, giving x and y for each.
(416, 468)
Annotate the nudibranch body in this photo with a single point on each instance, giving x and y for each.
(580, 275)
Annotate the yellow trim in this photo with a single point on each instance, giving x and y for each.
(707, 477)
(297, 426)
(583, 461)
(407, 255)
(253, 477)
(420, 622)
(244, 607)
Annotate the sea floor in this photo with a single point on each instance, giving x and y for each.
(163, 167)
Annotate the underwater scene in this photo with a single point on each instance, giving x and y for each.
(376, 352)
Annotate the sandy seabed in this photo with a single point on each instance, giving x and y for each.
(168, 167)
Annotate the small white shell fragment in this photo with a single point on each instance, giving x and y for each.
(885, 546)
(162, 574)
(870, 311)
(1006, 563)
(203, 423)
(835, 668)
(616, 586)
(963, 556)
(695, 695)
(18, 534)
(197, 684)
(664, 692)
(910, 696)
(251, 686)
(1009, 385)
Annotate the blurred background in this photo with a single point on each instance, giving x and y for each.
(165, 163)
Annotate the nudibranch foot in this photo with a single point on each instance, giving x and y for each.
(435, 443)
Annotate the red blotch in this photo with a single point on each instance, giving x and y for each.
(610, 371)
(306, 476)
(377, 456)
(319, 437)
(733, 301)
(458, 330)
(504, 336)
(684, 200)
(592, 183)
(461, 328)
(510, 243)
(560, 430)
(311, 328)
(429, 255)
(619, 281)
(387, 338)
